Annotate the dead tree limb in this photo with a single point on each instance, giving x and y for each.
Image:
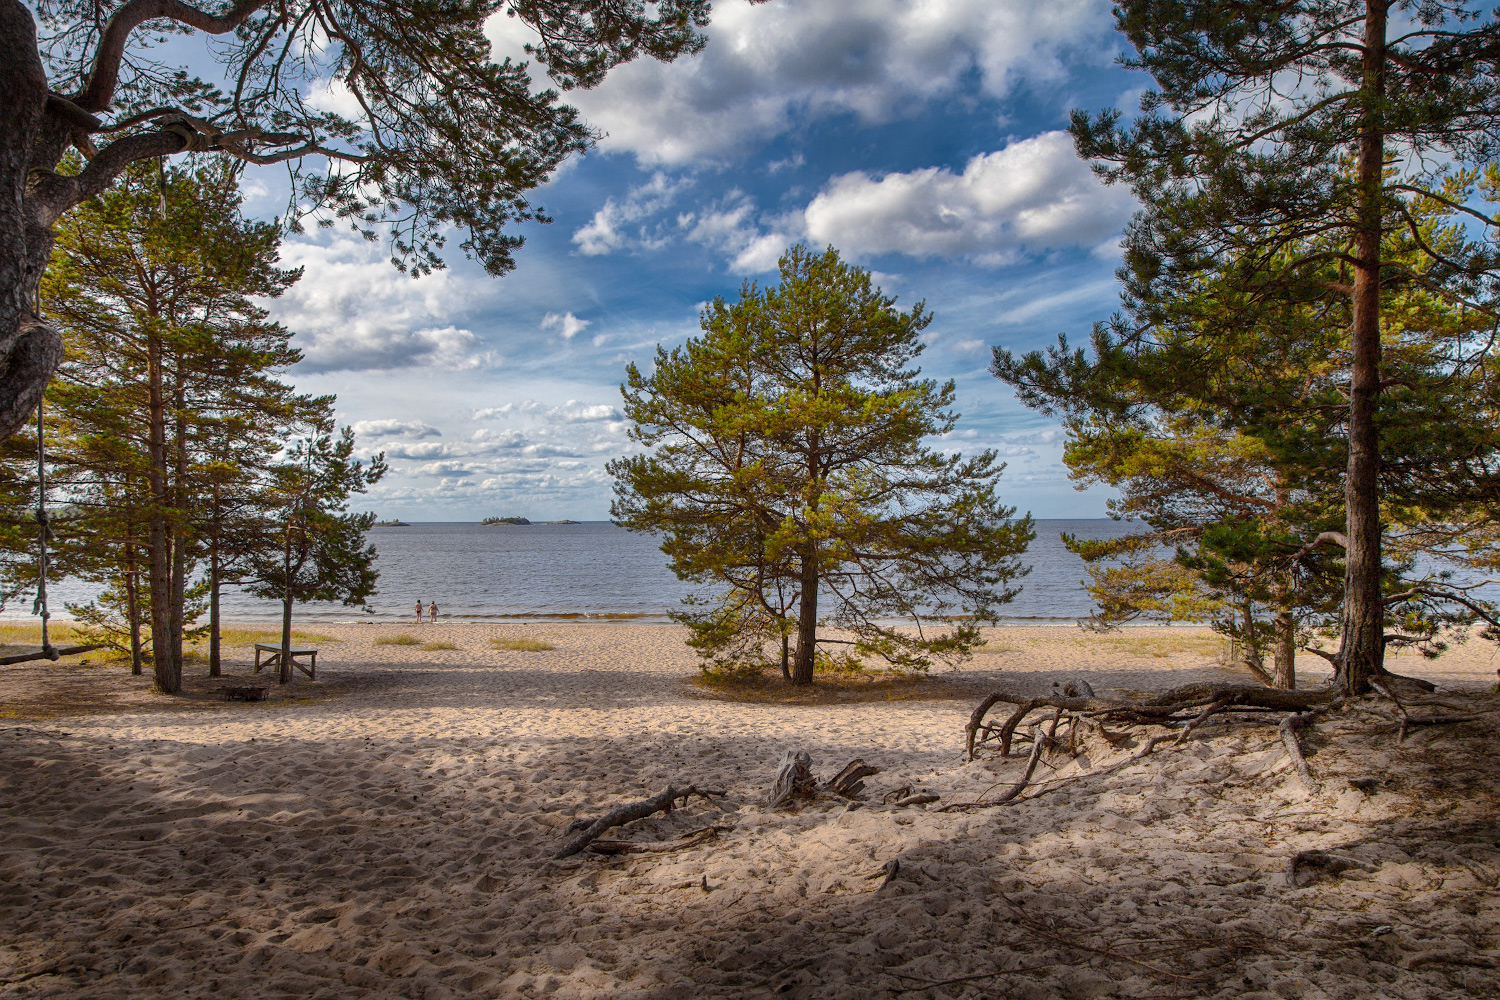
(848, 783)
(662, 802)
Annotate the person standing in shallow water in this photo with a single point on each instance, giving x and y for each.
(432, 612)
(419, 611)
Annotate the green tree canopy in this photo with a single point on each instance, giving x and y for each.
(444, 140)
(1288, 141)
(1221, 414)
(316, 550)
(790, 468)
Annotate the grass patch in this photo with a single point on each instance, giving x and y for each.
(522, 645)
(398, 640)
(1159, 645)
(441, 644)
(830, 688)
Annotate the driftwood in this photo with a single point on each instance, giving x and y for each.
(643, 847)
(585, 832)
(848, 783)
(794, 779)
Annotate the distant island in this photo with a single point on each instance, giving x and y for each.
(520, 521)
(392, 524)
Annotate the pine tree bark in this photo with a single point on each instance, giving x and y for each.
(214, 668)
(179, 522)
(1286, 651)
(29, 349)
(1361, 650)
(285, 674)
(133, 607)
(168, 673)
(807, 618)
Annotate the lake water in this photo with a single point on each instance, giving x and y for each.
(590, 570)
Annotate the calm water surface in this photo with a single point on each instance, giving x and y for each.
(593, 569)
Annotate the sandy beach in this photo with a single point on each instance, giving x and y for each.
(388, 831)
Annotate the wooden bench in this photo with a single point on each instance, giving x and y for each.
(270, 656)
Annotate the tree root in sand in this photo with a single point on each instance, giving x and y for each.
(1085, 714)
(639, 847)
(586, 832)
(1207, 698)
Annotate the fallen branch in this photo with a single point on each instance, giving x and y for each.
(662, 802)
(848, 783)
(922, 798)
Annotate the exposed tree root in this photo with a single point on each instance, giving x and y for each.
(1288, 729)
(1159, 708)
(639, 847)
(1326, 864)
(1084, 715)
(663, 802)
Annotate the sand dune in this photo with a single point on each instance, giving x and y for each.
(388, 831)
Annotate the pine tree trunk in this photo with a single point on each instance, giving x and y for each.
(1361, 650)
(1286, 651)
(807, 618)
(29, 349)
(286, 611)
(214, 669)
(786, 656)
(168, 679)
(133, 608)
(179, 533)
(285, 675)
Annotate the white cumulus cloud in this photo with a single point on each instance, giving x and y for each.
(567, 325)
(353, 311)
(393, 428)
(1035, 194)
(766, 67)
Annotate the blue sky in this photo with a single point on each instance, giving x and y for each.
(922, 139)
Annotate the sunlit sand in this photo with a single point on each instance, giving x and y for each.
(388, 832)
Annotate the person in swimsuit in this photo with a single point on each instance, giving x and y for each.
(432, 612)
(419, 611)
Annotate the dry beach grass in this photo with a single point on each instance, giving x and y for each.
(388, 832)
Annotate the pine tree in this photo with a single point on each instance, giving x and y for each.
(315, 549)
(1221, 412)
(1277, 125)
(788, 469)
(155, 285)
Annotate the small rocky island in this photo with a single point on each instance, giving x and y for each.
(519, 521)
(392, 524)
